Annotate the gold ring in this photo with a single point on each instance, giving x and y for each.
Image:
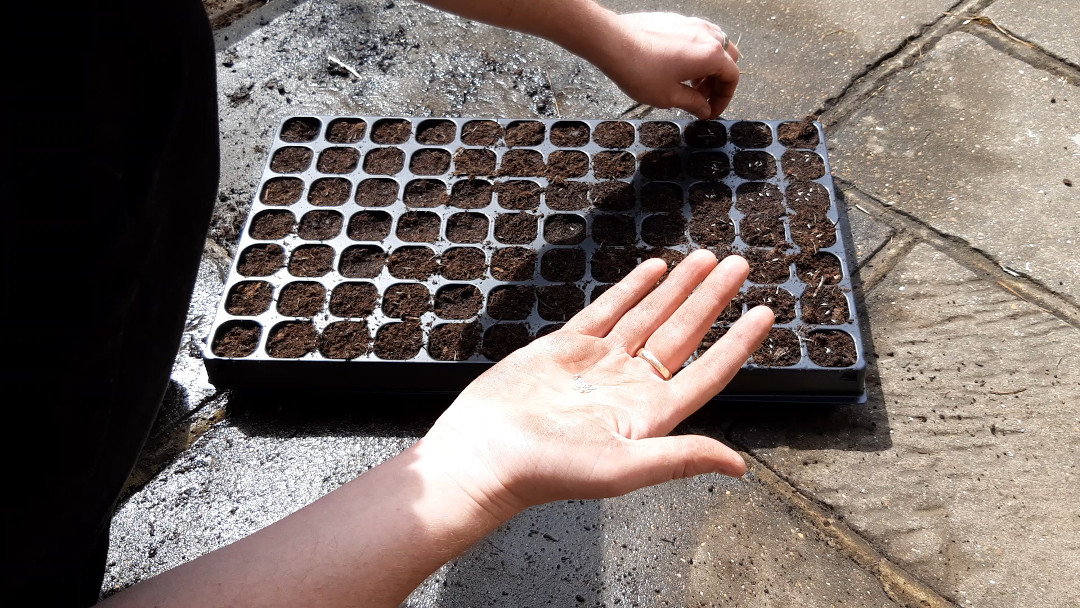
(653, 361)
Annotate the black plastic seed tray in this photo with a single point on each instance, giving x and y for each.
(410, 254)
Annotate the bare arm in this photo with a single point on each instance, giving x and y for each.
(649, 55)
(524, 433)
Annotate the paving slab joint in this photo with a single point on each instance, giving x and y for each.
(900, 585)
(872, 80)
(1016, 46)
(980, 262)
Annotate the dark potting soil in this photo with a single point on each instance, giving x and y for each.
(376, 192)
(369, 226)
(832, 349)
(661, 197)
(271, 225)
(569, 134)
(345, 340)
(502, 339)
(519, 194)
(525, 133)
(391, 131)
(563, 265)
(513, 264)
(826, 305)
(559, 302)
(473, 161)
(613, 164)
(419, 226)
(320, 225)
(567, 196)
(435, 132)
(610, 264)
(249, 298)
(671, 257)
(282, 191)
(338, 160)
(659, 134)
(458, 302)
(425, 193)
(416, 263)
(762, 230)
(353, 300)
(802, 165)
(261, 260)
(564, 229)
(384, 161)
(523, 163)
(780, 349)
(818, 268)
(345, 131)
(612, 196)
(511, 302)
(454, 341)
(708, 165)
(406, 300)
(779, 300)
(812, 231)
(711, 337)
(746, 134)
(567, 163)
(614, 134)
(769, 266)
(329, 192)
(798, 134)
(710, 224)
(705, 134)
(362, 262)
(664, 229)
(516, 228)
(291, 159)
(429, 161)
(291, 339)
(311, 260)
(759, 197)
(301, 299)
(399, 341)
(598, 290)
(754, 164)
(808, 197)
(467, 228)
(614, 229)
(710, 194)
(471, 194)
(661, 164)
(481, 133)
(301, 129)
(733, 310)
(463, 264)
(236, 339)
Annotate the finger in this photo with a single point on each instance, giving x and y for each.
(720, 95)
(650, 461)
(686, 98)
(722, 36)
(680, 335)
(598, 318)
(710, 373)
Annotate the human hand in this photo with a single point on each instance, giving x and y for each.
(651, 55)
(576, 415)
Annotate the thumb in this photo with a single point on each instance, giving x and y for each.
(687, 98)
(648, 462)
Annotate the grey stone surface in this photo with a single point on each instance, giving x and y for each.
(977, 145)
(972, 485)
(868, 235)
(1051, 25)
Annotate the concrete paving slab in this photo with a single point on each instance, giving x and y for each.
(978, 145)
(973, 487)
(1050, 25)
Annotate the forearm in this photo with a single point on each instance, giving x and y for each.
(371, 542)
(582, 27)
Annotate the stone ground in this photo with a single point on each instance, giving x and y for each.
(955, 142)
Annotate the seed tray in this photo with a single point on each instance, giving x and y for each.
(396, 253)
